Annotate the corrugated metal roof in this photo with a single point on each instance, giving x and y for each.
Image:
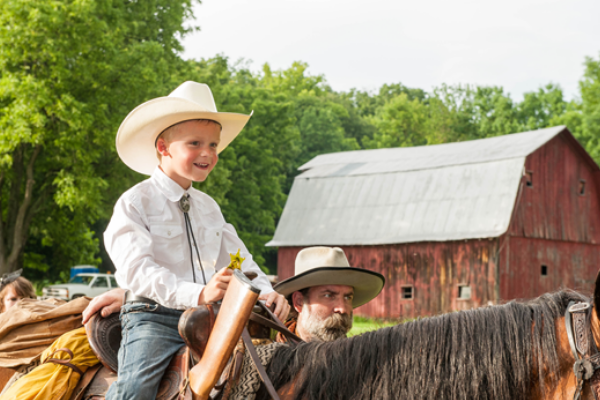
(452, 191)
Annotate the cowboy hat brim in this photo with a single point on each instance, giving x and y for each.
(367, 284)
(136, 138)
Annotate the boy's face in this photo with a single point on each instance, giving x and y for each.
(191, 152)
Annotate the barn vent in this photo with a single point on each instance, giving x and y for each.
(407, 293)
(529, 178)
(581, 190)
(464, 292)
(544, 270)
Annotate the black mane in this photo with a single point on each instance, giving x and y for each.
(488, 353)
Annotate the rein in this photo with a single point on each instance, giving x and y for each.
(587, 358)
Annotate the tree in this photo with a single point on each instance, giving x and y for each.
(400, 122)
(540, 109)
(70, 72)
(589, 130)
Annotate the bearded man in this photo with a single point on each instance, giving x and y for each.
(324, 291)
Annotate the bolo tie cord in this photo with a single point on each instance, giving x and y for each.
(184, 205)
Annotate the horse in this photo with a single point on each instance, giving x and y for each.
(518, 350)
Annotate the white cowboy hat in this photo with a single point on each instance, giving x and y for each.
(136, 138)
(317, 266)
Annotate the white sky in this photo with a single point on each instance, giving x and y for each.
(517, 44)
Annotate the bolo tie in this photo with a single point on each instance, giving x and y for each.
(185, 205)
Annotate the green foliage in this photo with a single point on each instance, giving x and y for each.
(401, 122)
(589, 128)
(70, 71)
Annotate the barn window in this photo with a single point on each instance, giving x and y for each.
(544, 270)
(464, 292)
(581, 190)
(407, 293)
(529, 178)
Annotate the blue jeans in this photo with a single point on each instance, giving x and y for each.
(150, 339)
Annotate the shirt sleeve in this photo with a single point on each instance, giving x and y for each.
(129, 244)
(230, 245)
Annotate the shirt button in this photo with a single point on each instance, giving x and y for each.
(169, 233)
(217, 233)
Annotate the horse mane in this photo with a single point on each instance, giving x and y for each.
(496, 352)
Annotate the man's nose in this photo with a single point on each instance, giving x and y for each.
(343, 307)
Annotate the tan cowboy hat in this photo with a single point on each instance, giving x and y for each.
(136, 138)
(317, 266)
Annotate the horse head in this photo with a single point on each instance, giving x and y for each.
(578, 341)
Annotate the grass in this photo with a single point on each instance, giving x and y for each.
(362, 325)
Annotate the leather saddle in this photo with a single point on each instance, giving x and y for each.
(195, 326)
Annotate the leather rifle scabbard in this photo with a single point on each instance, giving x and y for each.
(235, 310)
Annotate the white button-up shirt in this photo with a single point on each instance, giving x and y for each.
(147, 241)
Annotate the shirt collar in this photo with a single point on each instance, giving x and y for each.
(167, 186)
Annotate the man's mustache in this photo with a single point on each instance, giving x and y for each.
(335, 321)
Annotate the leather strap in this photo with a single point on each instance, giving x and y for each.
(85, 381)
(236, 369)
(66, 363)
(269, 324)
(282, 328)
(258, 364)
(581, 341)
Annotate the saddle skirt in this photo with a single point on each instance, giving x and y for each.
(172, 387)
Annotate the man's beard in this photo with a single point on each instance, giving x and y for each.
(326, 330)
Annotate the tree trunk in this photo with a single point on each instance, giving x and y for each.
(14, 230)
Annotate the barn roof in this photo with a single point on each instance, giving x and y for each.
(452, 191)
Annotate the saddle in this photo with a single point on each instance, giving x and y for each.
(195, 327)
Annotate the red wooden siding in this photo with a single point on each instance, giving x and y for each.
(434, 270)
(569, 265)
(554, 225)
(552, 208)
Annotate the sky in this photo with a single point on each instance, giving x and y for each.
(520, 45)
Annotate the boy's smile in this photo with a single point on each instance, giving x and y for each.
(189, 151)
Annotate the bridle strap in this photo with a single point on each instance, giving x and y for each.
(581, 340)
(569, 326)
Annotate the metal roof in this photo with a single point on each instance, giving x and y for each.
(453, 191)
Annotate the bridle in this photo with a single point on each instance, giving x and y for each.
(587, 358)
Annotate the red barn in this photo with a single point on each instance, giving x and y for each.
(453, 226)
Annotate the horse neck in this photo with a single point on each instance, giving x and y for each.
(566, 385)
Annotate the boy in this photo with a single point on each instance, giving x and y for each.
(169, 242)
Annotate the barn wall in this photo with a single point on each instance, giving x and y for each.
(568, 264)
(552, 207)
(434, 269)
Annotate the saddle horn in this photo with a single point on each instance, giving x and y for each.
(235, 310)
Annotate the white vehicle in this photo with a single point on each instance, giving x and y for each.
(80, 285)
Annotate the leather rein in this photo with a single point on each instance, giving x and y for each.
(246, 343)
(587, 358)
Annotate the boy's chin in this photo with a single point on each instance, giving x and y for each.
(200, 179)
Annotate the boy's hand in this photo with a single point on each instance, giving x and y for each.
(107, 303)
(282, 307)
(216, 287)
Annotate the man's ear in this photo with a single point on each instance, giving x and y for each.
(162, 148)
(297, 301)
